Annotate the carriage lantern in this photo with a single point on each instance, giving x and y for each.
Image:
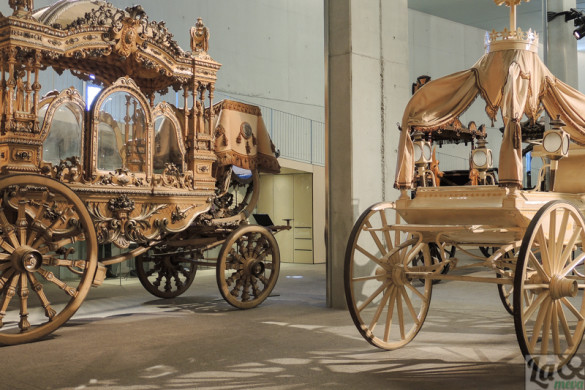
(422, 150)
(481, 157)
(556, 141)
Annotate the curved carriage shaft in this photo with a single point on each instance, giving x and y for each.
(387, 305)
(550, 324)
(248, 266)
(44, 230)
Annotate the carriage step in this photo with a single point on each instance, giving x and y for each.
(100, 275)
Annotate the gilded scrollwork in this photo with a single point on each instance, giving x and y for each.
(116, 225)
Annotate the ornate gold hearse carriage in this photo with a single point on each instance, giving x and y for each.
(396, 249)
(166, 184)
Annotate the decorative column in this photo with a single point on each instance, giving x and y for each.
(367, 89)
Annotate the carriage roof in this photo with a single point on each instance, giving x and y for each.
(98, 41)
(511, 79)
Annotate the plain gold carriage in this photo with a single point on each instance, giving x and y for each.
(533, 238)
(153, 179)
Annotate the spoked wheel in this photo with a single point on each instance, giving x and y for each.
(165, 274)
(387, 305)
(248, 266)
(505, 291)
(550, 326)
(48, 256)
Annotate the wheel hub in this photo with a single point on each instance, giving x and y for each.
(26, 259)
(256, 268)
(562, 287)
(399, 275)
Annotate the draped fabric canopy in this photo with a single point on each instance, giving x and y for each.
(512, 81)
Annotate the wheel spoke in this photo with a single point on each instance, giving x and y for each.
(370, 256)
(555, 329)
(379, 309)
(535, 305)
(409, 306)
(374, 295)
(570, 306)
(50, 277)
(39, 290)
(8, 230)
(574, 263)
(570, 245)
(388, 326)
(546, 328)
(565, 325)
(376, 238)
(542, 311)
(400, 313)
(386, 231)
(365, 278)
(21, 222)
(421, 296)
(536, 264)
(23, 324)
(4, 279)
(543, 250)
(8, 295)
(551, 242)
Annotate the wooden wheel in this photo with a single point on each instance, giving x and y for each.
(550, 266)
(387, 306)
(248, 266)
(48, 256)
(505, 291)
(165, 274)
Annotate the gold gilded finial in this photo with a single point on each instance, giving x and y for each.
(512, 4)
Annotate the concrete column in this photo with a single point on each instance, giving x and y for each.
(367, 90)
(562, 46)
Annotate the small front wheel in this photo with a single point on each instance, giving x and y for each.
(165, 274)
(248, 266)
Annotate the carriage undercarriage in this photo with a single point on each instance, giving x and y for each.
(537, 265)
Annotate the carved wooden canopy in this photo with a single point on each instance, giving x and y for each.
(92, 37)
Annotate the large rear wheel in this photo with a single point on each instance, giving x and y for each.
(387, 305)
(551, 268)
(48, 256)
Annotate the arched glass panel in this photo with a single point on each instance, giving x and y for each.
(166, 145)
(122, 114)
(65, 132)
(109, 147)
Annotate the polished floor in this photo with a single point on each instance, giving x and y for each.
(124, 338)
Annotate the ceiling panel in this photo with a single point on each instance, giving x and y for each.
(485, 14)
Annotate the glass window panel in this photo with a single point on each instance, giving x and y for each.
(124, 116)
(109, 148)
(166, 145)
(64, 139)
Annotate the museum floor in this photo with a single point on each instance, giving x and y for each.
(124, 338)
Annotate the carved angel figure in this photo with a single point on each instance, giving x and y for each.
(199, 37)
(21, 4)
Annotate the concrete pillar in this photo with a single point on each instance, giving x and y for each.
(367, 90)
(562, 46)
